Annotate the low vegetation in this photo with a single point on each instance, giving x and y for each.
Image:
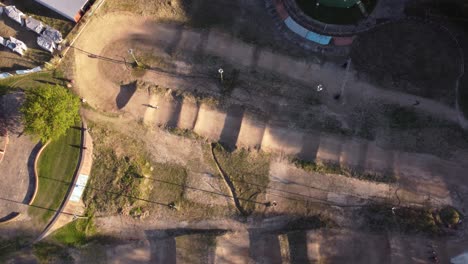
(412, 63)
(47, 252)
(336, 168)
(248, 172)
(10, 247)
(116, 182)
(412, 220)
(31, 81)
(183, 132)
(450, 216)
(56, 167)
(76, 233)
(196, 248)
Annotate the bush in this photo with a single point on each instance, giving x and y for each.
(336, 168)
(450, 216)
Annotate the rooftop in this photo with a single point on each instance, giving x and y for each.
(34, 25)
(68, 8)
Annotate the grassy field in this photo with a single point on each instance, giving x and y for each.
(405, 219)
(31, 81)
(412, 62)
(56, 166)
(116, 182)
(76, 233)
(335, 168)
(335, 15)
(248, 171)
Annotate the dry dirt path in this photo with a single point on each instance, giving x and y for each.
(425, 174)
(166, 39)
(262, 243)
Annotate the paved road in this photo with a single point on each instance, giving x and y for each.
(17, 167)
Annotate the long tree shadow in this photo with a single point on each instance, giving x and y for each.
(264, 247)
(125, 94)
(232, 126)
(163, 242)
(297, 241)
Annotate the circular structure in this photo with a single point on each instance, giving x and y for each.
(338, 12)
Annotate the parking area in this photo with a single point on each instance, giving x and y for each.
(11, 61)
(35, 55)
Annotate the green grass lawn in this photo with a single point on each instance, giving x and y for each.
(334, 15)
(56, 166)
(76, 233)
(31, 81)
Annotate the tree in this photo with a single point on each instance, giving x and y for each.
(49, 111)
(450, 216)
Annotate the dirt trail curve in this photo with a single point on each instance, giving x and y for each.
(420, 173)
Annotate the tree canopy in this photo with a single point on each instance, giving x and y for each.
(49, 111)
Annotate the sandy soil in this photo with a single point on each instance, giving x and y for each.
(108, 85)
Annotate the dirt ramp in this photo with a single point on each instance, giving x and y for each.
(188, 114)
(282, 140)
(345, 246)
(251, 132)
(233, 248)
(210, 122)
(265, 247)
(167, 110)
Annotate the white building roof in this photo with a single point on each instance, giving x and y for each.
(5, 75)
(3, 41)
(67, 8)
(13, 13)
(53, 34)
(34, 25)
(17, 46)
(46, 43)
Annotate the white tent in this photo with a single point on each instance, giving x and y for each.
(46, 43)
(3, 41)
(17, 46)
(53, 34)
(34, 25)
(460, 259)
(5, 75)
(13, 13)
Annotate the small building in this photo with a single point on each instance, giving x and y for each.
(17, 46)
(13, 13)
(34, 25)
(46, 43)
(3, 76)
(3, 41)
(52, 34)
(71, 9)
